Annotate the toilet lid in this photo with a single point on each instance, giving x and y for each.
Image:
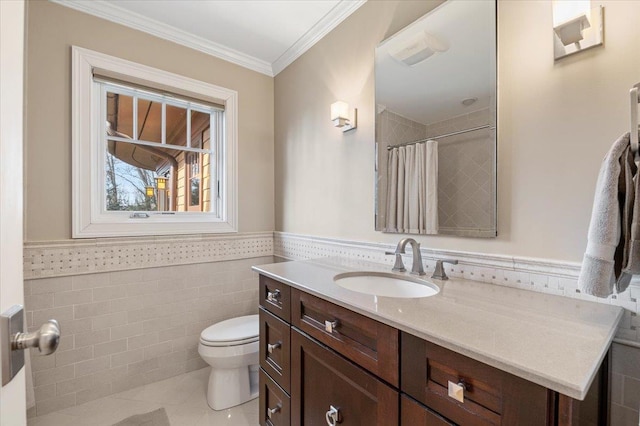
(240, 329)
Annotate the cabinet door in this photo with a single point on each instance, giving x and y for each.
(275, 349)
(322, 379)
(414, 414)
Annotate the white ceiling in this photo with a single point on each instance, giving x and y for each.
(263, 35)
(432, 90)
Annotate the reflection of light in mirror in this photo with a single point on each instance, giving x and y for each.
(418, 48)
(566, 10)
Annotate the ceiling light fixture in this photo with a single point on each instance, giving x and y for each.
(418, 48)
(469, 101)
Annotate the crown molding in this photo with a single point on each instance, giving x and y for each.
(339, 13)
(111, 12)
(106, 10)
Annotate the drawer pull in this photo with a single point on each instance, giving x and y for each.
(273, 296)
(333, 416)
(272, 411)
(456, 391)
(330, 326)
(271, 347)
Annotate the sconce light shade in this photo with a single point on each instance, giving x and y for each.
(576, 27)
(571, 31)
(149, 191)
(341, 117)
(161, 182)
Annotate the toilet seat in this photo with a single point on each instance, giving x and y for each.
(232, 332)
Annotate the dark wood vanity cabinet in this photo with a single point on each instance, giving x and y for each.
(325, 364)
(323, 381)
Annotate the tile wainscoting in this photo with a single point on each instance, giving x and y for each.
(132, 309)
(88, 256)
(138, 320)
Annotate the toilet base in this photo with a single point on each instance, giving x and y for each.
(230, 387)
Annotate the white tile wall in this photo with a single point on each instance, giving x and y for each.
(124, 329)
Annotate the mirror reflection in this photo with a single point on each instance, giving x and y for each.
(436, 123)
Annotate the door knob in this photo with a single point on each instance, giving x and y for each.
(46, 339)
(13, 340)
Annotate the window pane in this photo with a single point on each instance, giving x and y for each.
(141, 178)
(199, 122)
(176, 125)
(119, 115)
(149, 121)
(127, 186)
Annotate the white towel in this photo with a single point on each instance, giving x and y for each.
(607, 253)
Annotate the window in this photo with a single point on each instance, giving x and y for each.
(153, 153)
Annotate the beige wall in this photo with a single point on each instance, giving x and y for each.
(51, 30)
(556, 121)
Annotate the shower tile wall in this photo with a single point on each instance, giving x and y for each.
(466, 190)
(128, 328)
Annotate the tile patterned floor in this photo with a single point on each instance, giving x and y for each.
(183, 397)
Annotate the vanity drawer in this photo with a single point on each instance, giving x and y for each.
(275, 349)
(415, 414)
(275, 297)
(275, 405)
(367, 342)
(490, 397)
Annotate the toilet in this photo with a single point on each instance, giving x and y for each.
(231, 349)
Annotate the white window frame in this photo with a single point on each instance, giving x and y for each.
(89, 218)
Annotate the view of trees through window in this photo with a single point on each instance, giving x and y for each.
(126, 186)
(158, 152)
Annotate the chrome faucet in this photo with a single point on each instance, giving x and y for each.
(439, 271)
(417, 268)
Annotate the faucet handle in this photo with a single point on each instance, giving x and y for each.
(398, 266)
(439, 272)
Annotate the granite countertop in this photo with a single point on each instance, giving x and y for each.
(554, 341)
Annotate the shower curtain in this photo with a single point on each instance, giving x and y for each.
(412, 189)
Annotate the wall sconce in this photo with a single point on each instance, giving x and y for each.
(150, 191)
(341, 117)
(576, 27)
(161, 182)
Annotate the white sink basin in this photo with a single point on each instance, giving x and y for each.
(386, 284)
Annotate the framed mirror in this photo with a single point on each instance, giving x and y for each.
(436, 138)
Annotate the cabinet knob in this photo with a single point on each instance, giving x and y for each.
(274, 410)
(333, 416)
(273, 296)
(456, 390)
(271, 347)
(330, 326)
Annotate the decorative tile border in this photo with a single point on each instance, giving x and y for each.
(545, 276)
(77, 257)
